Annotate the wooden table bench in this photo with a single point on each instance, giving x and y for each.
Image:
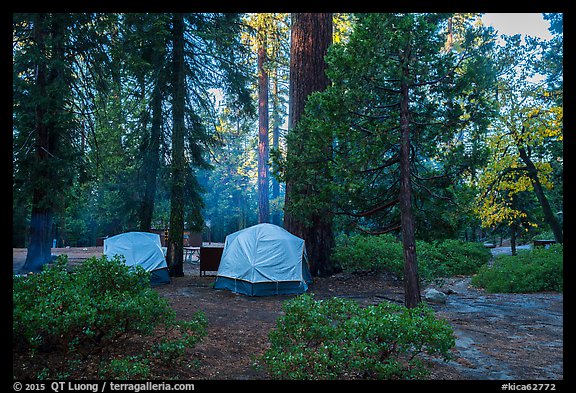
(543, 243)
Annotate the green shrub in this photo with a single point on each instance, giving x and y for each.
(384, 253)
(369, 253)
(452, 257)
(128, 368)
(337, 339)
(545, 235)
(90, 309)
(534, 270)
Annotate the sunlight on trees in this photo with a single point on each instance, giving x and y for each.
(486, 150)
(524, 141)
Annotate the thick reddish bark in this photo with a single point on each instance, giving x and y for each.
(276, 218)
(310, 38)
(263, 142)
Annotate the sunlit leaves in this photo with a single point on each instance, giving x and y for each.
(526, 141)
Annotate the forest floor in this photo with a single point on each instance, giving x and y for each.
(498, 336)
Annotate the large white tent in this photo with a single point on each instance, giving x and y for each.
(262, 260)
(140, 249)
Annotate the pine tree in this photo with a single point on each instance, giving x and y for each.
(44, 128)
(175, 245)
(311, 36)
(263, 116)
(206, 54)
(398, 101)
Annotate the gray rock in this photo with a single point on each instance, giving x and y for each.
(433, 296)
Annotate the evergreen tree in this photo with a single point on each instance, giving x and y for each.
(311, 35)
(263, 118)
(45, 130)
(266, 34)
(398, 102)
(146, 41)
(93, 117)
(175, 245)
(211, 57)
(232, 202)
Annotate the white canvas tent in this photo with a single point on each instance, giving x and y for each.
(262, 260)
(140, 249)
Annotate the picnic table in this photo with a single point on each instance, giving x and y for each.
(543, 243)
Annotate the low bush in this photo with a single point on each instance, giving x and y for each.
(126, 368)
(337, 339)
(92, 310)
(384, 253)
(369, 253)
(451, 257)
(534, 270)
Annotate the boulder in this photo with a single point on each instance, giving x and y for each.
(434, 296)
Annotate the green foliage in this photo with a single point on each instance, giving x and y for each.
(543, 235)
(106, 95)
(131, 367)
(95, 307)
(374, 253)
(337, 339)
(384, 253)
(534, 270)
(451, 257)
(358, 116)
(525, 164)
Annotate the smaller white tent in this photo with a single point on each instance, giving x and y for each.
(262, 260)
(140, 249)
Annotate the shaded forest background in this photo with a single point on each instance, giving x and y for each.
(116, 114)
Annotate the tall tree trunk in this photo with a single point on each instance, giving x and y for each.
(152, 158)
(263, 143)
(311, 36)
(175, 253)
(548, 213)
(411, 281)
(275, 144)
(50, 103)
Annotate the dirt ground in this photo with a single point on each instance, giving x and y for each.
(498, 336)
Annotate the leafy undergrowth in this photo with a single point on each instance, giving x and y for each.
(100, 320)
(337, 339)
(534, 270)
(384, 253)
